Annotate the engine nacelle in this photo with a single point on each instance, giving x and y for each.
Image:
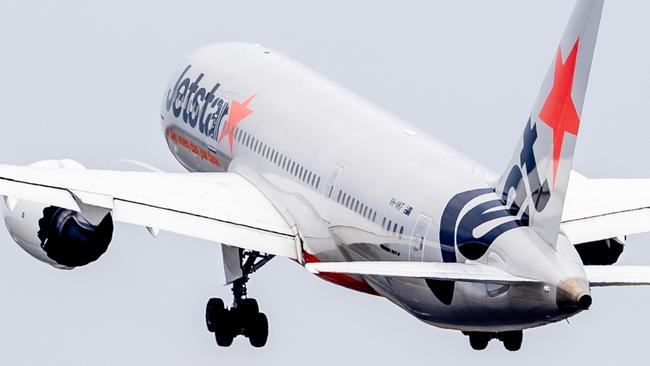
(60, 237)
(601, 252)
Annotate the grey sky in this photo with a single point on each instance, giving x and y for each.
(84, 80)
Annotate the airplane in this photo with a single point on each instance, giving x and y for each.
(282, 162)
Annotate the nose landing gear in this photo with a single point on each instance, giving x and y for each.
(243, 317)
(511, 340)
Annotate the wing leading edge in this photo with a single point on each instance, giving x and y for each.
(220, 207)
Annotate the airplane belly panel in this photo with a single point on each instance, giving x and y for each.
(473, 307)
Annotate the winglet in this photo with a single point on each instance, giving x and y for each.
(535, 182)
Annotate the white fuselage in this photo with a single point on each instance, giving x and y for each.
(356, 182)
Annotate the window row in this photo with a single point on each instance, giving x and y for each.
(356, 205)
(392, 227)
(312, 179)
(269, 153)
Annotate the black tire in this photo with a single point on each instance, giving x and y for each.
(479, 341)
(215, 312)
(512, 340)
(248, 308)
(224, 337)
(258, 333)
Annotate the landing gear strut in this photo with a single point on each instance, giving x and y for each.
(243, 317)
(511, 340)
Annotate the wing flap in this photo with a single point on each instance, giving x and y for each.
(55, 196)
(464, 272)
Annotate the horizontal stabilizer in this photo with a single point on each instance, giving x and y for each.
(600, 276)
(598, 209)
(463, 272)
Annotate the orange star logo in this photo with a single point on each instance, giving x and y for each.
(559, 112)
(236, 114)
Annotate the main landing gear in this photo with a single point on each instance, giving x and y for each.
(511, 340)
(243, 317)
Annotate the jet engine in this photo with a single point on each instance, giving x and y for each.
(602, 252)
(60, 237)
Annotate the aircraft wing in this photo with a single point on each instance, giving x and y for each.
(464, 272)
(597, 209)
(220, 207)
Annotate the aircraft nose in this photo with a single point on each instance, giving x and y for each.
(573, 295)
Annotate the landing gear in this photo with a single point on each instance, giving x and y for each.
(243, 317)
(511, 340)
(479, 341)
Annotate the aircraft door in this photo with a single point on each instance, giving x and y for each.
(419, 238)
(329, 189)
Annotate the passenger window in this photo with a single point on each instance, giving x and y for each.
(374, 216)
(318, 182)
(389, 222)
(383, 223)
(401, 231)
(395, 228)
(365, 211)
(338, 198)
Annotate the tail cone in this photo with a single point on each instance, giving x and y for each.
(573, 295)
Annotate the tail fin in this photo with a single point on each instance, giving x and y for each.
(535, 182)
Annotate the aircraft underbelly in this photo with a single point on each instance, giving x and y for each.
(472, 307)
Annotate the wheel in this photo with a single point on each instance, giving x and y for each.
(248, 307)
(512, 340)
(259, 330)
(226, 329)
(215, 312)
(224, 337)
(479, 341)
